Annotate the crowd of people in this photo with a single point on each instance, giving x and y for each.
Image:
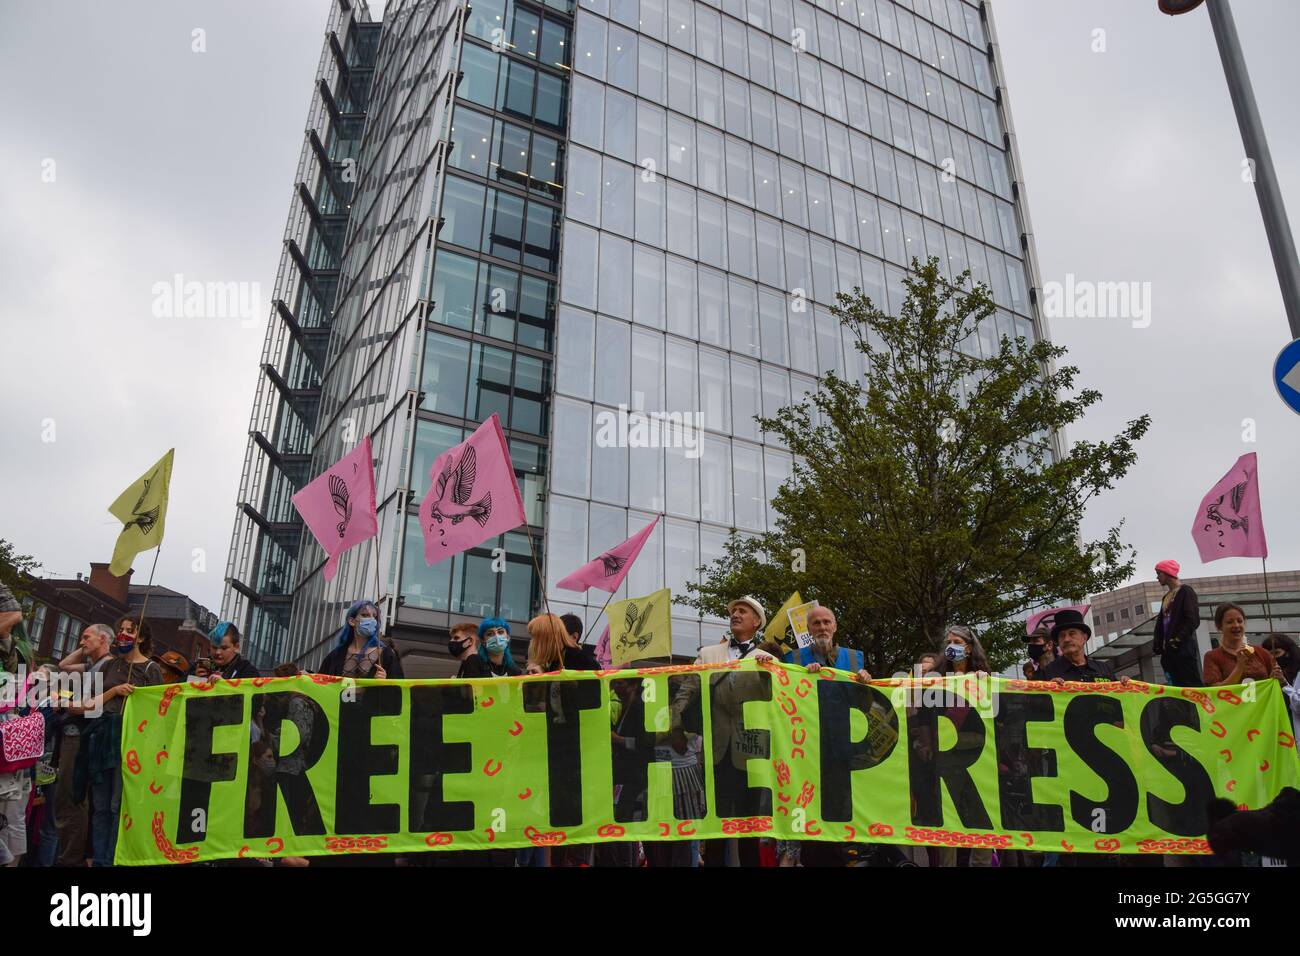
(62, 808)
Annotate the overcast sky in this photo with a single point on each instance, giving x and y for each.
(166, 161)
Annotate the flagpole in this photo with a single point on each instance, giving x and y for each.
(1268, 598)
(140, 626)
(598, 614)
(538, 568)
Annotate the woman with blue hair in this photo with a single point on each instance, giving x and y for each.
(359, 651)
(493, 658)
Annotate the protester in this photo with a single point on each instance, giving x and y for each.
(71, 813)
(573, 626)
(1176, 625)
(359, 652)
(1041, 650)
(100, 757)
(747, 618)
(462, 642)
(962, 653)
(493, 658)
(202, 670)
(1071, 635)
(927, 663)
(15, 785)
(174, 666)
(685, 752)
(1234, 660)
(231, 664)
(823, 652)
(1287, 654)
(551, 648)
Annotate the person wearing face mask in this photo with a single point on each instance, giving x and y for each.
(1287, 654)
(493, 658)
(359, 652)
(1041, 650)
(1234, 659)
(99, 759)
(462, 645)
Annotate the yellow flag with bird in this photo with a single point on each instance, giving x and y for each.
(640, 628)
(142, 509)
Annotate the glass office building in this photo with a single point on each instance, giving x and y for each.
(571, 213)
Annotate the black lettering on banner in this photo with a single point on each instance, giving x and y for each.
(840, 754)
(632, 750)
(432, 758)
(1159, 718)
(734, 744)
(202, 767)
(563, 701)
(1020, 764)
(359, 760)
(1082, 717)
(308, 717)
(928, 765)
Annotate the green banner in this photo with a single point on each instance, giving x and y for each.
(313, 765)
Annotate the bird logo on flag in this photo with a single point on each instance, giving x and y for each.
(634, 634)
(613, 563)
(144, 520)
(458, 482)
(342, 499)
(1236, 496)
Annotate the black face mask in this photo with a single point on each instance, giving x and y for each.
(457, 648)
(1036, 651)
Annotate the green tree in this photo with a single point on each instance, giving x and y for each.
(931, 491)
(16, 570)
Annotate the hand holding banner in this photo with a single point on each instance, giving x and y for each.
(339, 505)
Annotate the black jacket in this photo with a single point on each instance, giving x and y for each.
(388, 660)
(475, 666)
(238, 668)
(1185, 617)
(1092, 670)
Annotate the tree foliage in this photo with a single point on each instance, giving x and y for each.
(933, 490)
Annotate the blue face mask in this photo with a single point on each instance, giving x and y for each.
(368, 626)
(955, 652)
(497, 643)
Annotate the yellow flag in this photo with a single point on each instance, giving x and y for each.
(779, 623)
(641, 628)
(142, 509)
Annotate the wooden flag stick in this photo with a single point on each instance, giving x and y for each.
(139, 628)
(598, 614)
(1268, 599)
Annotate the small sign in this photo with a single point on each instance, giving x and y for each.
(1286, 375)
(799, 622)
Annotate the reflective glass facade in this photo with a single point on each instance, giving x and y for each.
(560, 214)
(733, 165)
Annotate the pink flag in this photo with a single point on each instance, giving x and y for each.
(1046, 616)
(1228, 522)
(339, 504)
(603, 655)
(474, 495)
(608, 571)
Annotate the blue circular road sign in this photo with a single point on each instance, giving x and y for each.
(1286, 375)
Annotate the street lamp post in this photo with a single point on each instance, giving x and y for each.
(1267, 190)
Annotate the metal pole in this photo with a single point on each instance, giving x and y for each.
(1267, 190)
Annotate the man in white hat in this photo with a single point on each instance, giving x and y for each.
(747, 619)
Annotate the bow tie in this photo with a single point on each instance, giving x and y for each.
(742, 645)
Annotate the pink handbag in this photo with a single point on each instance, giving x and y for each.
(22, 742)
